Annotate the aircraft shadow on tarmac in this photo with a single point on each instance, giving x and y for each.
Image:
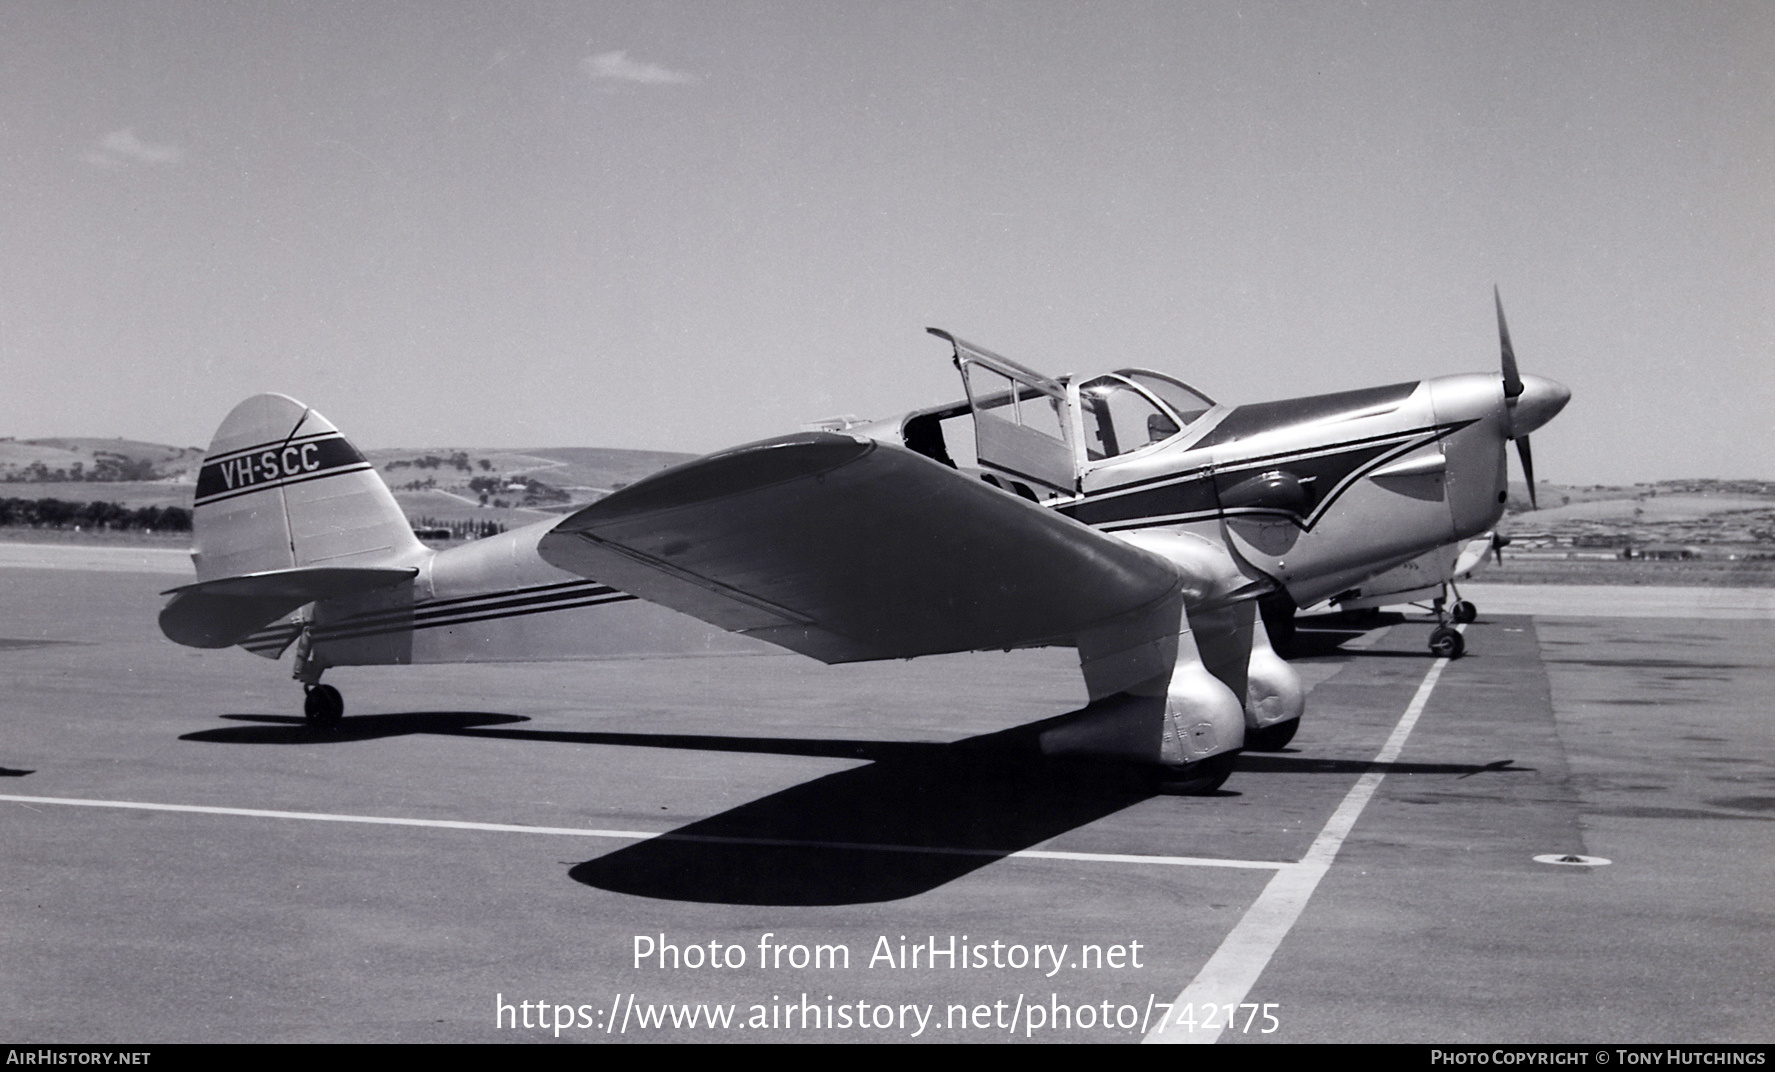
(914, 816)
(1324, 637)
(291, 729)
(1285, 763)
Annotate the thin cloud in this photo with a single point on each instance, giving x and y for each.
(617, 67)
(122, 147)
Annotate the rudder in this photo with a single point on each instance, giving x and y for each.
(281, 488)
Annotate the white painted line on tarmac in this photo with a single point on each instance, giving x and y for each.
(327, 817)
(648, 835)
(1234, 968)
(1134, 858)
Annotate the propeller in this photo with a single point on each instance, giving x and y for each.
(1513, 389)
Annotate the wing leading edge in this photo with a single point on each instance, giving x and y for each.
(848, 549)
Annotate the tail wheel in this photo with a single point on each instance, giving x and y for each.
(1198, 778)
(324, 706)
(1447, 642)
(1271, 738)
(1464, 612)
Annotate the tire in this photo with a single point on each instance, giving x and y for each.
(1464, 612)
(1447, 643)
(323, 706)
(1271, 738)
(1196, 779)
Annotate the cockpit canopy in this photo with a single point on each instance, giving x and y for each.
(1132, 408)
(1047, 433)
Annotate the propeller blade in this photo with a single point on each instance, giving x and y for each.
(1528, 469)
(1512, 380)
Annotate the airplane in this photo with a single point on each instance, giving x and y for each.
(1123, 514)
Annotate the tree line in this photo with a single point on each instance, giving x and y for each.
(60, 514)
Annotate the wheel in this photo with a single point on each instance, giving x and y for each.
(1447, 643)
(1271, 738)
(324, 706)
(1196, 779)
(1464, 612)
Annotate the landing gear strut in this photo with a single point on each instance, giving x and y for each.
(1277, 610)
(322, 705)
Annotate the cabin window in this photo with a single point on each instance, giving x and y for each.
(1119, 418)
(996, 395)
(1184, 401)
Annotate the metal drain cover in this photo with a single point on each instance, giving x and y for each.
(1572, 859)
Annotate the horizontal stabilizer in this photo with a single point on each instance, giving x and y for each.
(848, 549)
(222, 612)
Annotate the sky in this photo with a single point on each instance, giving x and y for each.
(686, 225)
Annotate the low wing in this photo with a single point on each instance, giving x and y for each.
(848, 549)
(222, 612)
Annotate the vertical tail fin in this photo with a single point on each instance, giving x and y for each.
(281, 488)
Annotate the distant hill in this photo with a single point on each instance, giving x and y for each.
(442, 484)
(1723, 517)
(93, 459)
(598, 469)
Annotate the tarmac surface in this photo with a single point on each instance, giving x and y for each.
(476, 847)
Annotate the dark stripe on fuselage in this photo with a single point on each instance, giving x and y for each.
(1325, 472)
(355, 631)
(1259, 417)
(276, 465)
(1192, 495)
(536, 599)
(276, 638)
(444, 608)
